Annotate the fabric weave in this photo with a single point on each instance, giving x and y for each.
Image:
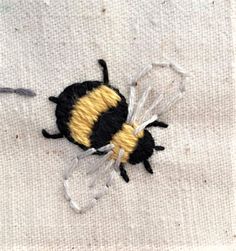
(187, 204)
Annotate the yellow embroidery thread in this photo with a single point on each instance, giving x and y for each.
(126, 140)
(87, 110)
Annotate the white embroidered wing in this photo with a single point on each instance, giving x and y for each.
(141, 115)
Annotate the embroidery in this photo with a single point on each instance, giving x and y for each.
(96, 117)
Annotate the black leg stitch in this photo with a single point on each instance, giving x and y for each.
(147, 166)
(105, 71)
(157, 123)
(53, 99)
(51, 136)
(123, 173)
(159, 148)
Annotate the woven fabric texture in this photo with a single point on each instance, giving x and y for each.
(187, 204)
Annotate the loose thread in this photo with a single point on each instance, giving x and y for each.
(19, 91)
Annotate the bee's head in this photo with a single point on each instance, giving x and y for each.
(144, 149)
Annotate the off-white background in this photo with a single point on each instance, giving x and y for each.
(188, 202)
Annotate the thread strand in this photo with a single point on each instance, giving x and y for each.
(19, 91)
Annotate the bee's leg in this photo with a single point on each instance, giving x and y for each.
(158, 123)
(53, 99)
(123, 173)
(51, 136)
(159, 148)
(147, 166)
(105, 71)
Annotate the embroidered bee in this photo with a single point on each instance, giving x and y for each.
(95, 116)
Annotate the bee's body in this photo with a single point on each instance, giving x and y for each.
(93, 114)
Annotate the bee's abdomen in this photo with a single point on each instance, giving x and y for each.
(67, 100)
(109, 123)
(92, 114)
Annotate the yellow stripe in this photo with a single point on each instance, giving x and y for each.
(87, 110)
(125, 139)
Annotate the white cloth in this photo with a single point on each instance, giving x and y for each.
(188, 203)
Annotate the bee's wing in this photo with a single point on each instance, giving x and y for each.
(163, 101)
(101, 173)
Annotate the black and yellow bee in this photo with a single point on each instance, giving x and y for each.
(96, 117)
(94, 114)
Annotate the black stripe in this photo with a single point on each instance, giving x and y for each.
(144, 149)
(109, 123)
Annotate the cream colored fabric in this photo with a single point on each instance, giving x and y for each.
(188, 203)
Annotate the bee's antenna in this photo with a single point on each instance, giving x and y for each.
(105, 71)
